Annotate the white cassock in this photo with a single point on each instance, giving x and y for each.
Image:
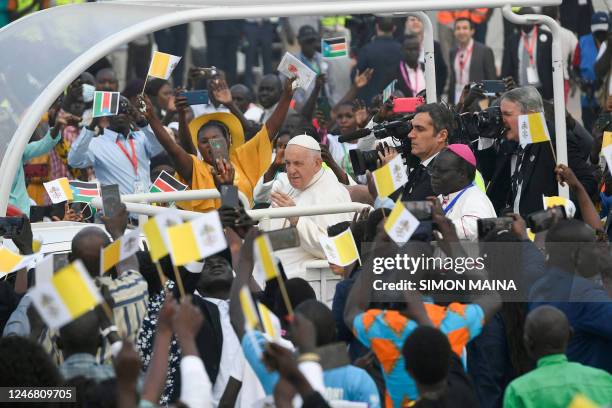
(466, 210)
(324, 188)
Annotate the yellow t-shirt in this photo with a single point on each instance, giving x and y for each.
(250, 161)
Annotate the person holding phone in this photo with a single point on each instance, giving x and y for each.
(193, 156)
(119, 155)
(19, 194)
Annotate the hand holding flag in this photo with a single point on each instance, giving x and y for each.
(390, 177)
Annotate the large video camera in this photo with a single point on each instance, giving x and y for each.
(487, 123)
(368, 160)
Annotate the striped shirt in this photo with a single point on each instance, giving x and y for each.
(130, 295)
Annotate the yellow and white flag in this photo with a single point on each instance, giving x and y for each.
(69, 294)
(341, 249)
(162, 65)
(155, 229)
(251, 321)
(197, 239)
(532, 129)
(119, 250)
(264, 257)
(390, 177)
(12, 262)
(59, 190)
(401, 224)
(44, 270)
(269, 321)
(606, 149)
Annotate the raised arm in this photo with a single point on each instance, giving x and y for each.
(308, 109)
(243, 275)
(275, 122)
(587, 209)
(182, 159)
(361, 80)
(222, 94)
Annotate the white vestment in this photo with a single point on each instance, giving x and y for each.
(323, 189)
(472, 205)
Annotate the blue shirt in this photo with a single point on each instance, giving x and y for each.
(19, 194)
(588, 309)
(348, 383)
(110, 163)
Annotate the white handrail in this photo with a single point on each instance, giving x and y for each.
(204, 194)
(284, 212)
(558, 82)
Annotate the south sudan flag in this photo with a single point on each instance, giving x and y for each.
(83, 192)
(334, 47)
(105, 104)
(166, 183)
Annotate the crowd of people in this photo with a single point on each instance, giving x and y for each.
(167, 335)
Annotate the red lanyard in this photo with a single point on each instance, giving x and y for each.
(530, 47)
(133, 160)
(463, 59)
(404, 70)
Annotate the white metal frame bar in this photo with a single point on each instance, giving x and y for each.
(557, 67)
(12, 158)
(204, 194)
(266, 213)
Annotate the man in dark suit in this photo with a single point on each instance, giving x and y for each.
(518, 177)
(382, 54)
(409, 73)
(431, 127)
(528, 58)
(471, 61)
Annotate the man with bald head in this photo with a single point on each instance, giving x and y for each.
(268, 94)
(106, 80)
(305, 183)
(126, 285)
(555, 382)
(243, 98)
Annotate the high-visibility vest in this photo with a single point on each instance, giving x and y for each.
(64, 2)
(334, 21)
(477, 16)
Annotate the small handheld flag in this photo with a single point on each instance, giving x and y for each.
(606, 149)
(83, 189)
(119, 250)
(11, 262)
(162, 65)
(401, 224)
(197, 239)
(390, 177)
(341, 249)
(533, 129)
(388, 91)
(263, 255)
(155, 229)
(59, 190)
(69, 294)
(334, 47)
(268, 319)
(293, 67)
(165, 183)
(251, 320)
(105, 104)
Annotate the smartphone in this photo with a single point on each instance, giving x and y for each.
(111, 199)
(11, 226)
(487, 225)
(284, 238)
(219, 148)
(542, 220)
(196, 97)
(407, 105)
(229, 196)
(420, 209)
(493, 87)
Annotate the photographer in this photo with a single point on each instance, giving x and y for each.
(518, 177)
(431, 127)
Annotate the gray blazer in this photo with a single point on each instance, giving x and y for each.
(482, 66)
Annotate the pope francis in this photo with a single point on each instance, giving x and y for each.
(306, 182)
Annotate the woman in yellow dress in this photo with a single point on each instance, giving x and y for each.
(248, 161)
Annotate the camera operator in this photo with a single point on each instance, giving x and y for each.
(431, 127)
(517, 178)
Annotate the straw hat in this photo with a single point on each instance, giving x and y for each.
(230, 121)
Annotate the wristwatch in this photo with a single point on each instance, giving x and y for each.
(105, 332)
